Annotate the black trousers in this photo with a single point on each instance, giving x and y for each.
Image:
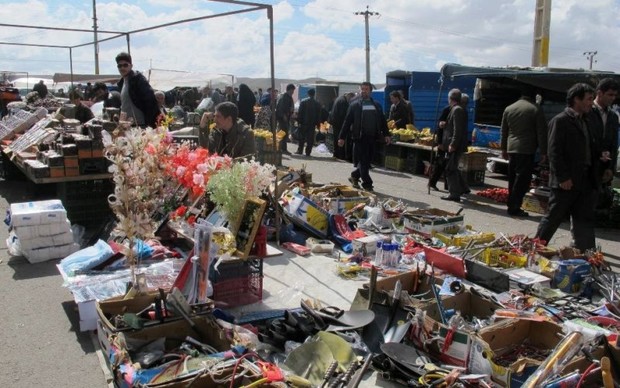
(363, 150)
(579, 204)
(520, 168)
(306, 136)
(284, 126)
(439, 165)
(453, 175)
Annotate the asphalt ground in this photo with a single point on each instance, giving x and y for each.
(41, 342)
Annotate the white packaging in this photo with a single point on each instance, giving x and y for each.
(367, 244)
(38, 213)
(33, 231)
(50, 253)
(46, 241)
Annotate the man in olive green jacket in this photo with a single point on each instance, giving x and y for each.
(231, 135)
(524, 130)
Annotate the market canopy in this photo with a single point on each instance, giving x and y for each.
(559, 80)
(169, 79)
(67, 77)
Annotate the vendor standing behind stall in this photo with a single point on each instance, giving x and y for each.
(231, 135)
(137, 97)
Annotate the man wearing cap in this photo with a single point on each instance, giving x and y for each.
(309, 117)
(138, 100)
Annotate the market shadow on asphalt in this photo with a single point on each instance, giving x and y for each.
(83, 337)
(22, 269)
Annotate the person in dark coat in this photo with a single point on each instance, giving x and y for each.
(137, 97)
(82, 113)
(572, 153)
(284, 110)
(231, 135)
(439, 162)
(309, 117)
(603, 122)
(336, 119)
(245, 102)
(41, 89)
(365, 122)
(399, 111)
(454, 142)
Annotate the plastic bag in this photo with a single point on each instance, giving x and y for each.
(205, 105)
(86, 258)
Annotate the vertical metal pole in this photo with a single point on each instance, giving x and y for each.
(95, 32)
(128, 44)
(367, 45)
(542, 22)
(272, 103)
(71, 64)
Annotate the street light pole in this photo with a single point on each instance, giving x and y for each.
(366, 14)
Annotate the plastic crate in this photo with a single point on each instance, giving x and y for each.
(395, 150)
(235, 269)
(93, 188)
(93, 166)
(473, 161)
(414, 162)
(474, 178)
(394, 163)
(270, 157)
(239, 291)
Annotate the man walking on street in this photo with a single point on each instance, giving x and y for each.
(366, 123)
(572, 178)
(454, 142)
(284, 111)
(524, 130)
(336, 119)
(309, 117)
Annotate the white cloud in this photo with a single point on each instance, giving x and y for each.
(315, 38)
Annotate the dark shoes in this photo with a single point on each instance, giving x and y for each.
(518, 213)
(355, 182)
(453, 199)
(433, 187)
(299, 152)
(368, 188)
(286, 152)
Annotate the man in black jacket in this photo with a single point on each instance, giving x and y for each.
(284, 110)
(572, 153)
(137, 97)
(336, 119)
(309, 117)
(366, 123)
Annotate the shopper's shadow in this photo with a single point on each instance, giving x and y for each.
(22, 269)
(84, 337)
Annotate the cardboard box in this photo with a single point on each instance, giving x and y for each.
(71, 161)
(57, 172)
(307, 214)
(502, 338)
(367, 244)
(570, 274)
(468, 305)
(431, 220)
(174, 333)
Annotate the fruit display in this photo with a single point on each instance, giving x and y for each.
(411, 133)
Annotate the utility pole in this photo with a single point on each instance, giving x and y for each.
(95, 31)
(542, 22)
(366, 14)
(590, 57)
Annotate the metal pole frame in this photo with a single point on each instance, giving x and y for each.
(253, 7)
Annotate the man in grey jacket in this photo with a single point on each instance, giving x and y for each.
(524, 130)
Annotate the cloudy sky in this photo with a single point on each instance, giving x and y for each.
(319, 38)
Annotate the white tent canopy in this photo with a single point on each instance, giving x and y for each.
(169, 79)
